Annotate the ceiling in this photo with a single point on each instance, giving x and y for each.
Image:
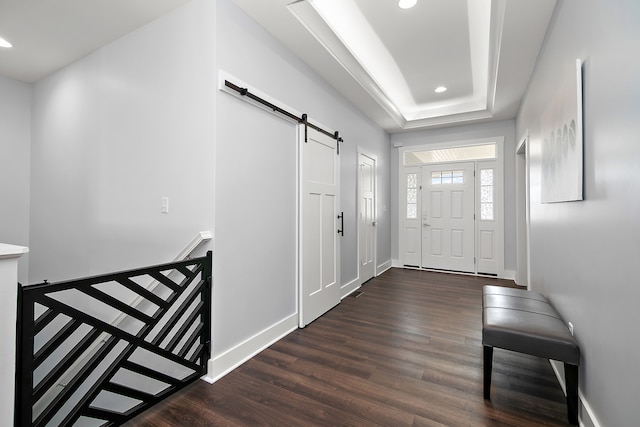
(389, 61)
(385, 60)
(49, 34)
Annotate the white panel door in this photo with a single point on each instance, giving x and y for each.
(319, 245)
(447, 216)
(366, 217)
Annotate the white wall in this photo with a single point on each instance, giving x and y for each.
(15, 149)
(142, 118)
(115, 132)
(585, 254)
(506, 129)
(255, 254)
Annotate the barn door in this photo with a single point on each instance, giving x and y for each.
(319, 223)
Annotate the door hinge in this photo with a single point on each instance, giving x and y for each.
(474, 260)
(420, 187)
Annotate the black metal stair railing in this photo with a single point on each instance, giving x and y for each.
(98, 351)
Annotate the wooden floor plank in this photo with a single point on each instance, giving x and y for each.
(406, 352)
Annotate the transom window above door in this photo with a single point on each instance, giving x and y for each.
(447, 177)
(452, 154)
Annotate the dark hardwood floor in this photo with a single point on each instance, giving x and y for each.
(407, 352)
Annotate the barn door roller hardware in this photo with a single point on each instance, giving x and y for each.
(245, 92)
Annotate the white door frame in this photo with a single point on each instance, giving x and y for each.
(523, 225)
(499, 141)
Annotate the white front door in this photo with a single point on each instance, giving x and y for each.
(320, 204)
(448, 217)
(366, 216)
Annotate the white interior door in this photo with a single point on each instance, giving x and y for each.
(319, 245)
(366, 216)
(448, 217)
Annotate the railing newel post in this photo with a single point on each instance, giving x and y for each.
(207, 297)
(24, 358)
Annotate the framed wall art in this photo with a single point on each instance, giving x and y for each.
(562, 145)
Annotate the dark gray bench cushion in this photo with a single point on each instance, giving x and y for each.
(514, 292)
(517, 303)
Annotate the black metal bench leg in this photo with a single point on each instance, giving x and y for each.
(488, 363)
(571, 379)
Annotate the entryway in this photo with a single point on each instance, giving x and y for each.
(451, 207)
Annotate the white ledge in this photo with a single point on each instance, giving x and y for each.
(12, 251)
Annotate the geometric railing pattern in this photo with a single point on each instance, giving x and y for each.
(98, 351)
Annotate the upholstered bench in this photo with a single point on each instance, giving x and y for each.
(524, 321)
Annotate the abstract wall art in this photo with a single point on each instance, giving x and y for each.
(562, 145)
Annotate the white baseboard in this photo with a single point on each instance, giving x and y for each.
(383, 267)
(350, 288)
(509, 275)
(221, 364)
(505, 274)
(586, 415)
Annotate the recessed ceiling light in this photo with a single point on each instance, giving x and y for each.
(4, 43)
(407, 4)
(440, 89)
